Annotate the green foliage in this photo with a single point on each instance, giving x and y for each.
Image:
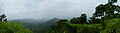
(3, 17)
(109, 22)
(107, 10)
(75, 20)
(87, 28)
(93, 20)
(60, 28)
(113, 26)
(117, 15)
(68, 27)
(12, 27)
(79, 20)
(112, 1)
(83, 18)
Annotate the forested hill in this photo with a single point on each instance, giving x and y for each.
(106, 19)
(38, 26)
(111, 26)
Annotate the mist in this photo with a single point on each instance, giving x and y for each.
(47, 9)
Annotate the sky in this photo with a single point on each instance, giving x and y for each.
(47, 9)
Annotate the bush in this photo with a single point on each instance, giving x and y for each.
(12, 27)
(112, 26)
(88, 28)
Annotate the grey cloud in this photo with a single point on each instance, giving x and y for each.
(43, 9)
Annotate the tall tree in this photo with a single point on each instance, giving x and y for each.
(107, 10)
(83, 18)
(3, 17)
(79, 20)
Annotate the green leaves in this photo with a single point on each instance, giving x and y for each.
(12, 27)
(113, 26)
(107, 24)
(3, 17)
(112, 1)
(79, 20)
(107, 9)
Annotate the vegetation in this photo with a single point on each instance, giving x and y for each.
(104, 20)
(112, 26)
(3, 17)
(79, 20)
(12, 27)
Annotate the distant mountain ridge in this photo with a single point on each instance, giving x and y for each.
(47, 25)
(38, 26)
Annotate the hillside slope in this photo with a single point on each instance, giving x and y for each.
(13, 27)
(111, 26)
(38, 26)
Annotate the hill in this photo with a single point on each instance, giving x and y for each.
(111, 26)
(38, 26)
(45, 27)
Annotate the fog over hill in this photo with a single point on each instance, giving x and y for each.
(38, 26)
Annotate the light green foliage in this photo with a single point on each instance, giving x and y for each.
(113, 26)
(12, 27)
(61, 27)
(109, 22)
(87, 28)
(68, 27)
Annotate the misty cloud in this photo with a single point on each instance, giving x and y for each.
(43, 9)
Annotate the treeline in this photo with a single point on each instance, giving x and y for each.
(11, 26)
(106, 19)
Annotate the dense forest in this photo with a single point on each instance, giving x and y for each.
(11, 26)
(106, 19)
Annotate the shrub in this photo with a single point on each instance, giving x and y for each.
(12, 27)
(112, 26)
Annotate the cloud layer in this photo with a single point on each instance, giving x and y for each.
(43, 9)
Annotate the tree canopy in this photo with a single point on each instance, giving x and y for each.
(104, 20)
(13, 27)
(79, 20)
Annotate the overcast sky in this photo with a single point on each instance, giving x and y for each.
(43, 9)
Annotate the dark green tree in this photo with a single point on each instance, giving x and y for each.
(75, 20)
(62, 27)
(83, 18)
(79, 20)
(107, 10)
(112, 1)
(93, 19)
(3, 17)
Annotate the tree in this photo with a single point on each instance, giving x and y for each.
(107, 10)
(13, 27)
(75, 20)
(83, 18)
(79, 20)
(3, 17)
(62, 27)
(93, 19)
(112, 1)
